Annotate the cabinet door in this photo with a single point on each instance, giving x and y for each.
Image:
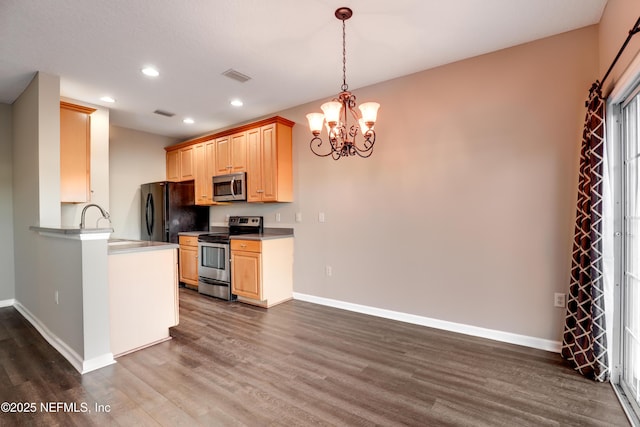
(189, 265)
(204, 154)
(254, 166)
(239, 152)
(246, 273)
(269, 163)
(187, 164)
(210, 163)
(75, 143)
(223, 155)
(173, 165)
(198, 154)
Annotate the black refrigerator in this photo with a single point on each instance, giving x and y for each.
(168, 208)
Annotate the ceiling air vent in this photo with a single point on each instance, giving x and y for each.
(164, 113)
(236, 75)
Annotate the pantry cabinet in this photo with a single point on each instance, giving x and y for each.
(262, 271)
(75, 153)
(188, 261)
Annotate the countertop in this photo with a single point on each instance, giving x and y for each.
(193, 233)
(120, 246)
(268, 233)
(70, 230)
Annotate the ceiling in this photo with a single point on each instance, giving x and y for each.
(291, 49)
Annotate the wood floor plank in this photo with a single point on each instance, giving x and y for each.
(298, 363)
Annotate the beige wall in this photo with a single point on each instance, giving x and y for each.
(465, 211)
(618, 18)
(7, 277)
(135, 158)
(77, 324)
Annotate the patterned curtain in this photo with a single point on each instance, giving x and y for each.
(584, 342)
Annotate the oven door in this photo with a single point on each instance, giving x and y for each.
(213, 261)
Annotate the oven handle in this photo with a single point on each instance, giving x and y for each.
(208, 281)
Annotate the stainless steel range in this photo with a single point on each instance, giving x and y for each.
(214, 266)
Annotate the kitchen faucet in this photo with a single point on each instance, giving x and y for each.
(104, 213)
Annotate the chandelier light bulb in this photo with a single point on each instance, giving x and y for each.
(331, 111)
(369, 112)
(315, 122)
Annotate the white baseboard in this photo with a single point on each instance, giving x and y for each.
(476, 331)
(7, 303)
(81, 365)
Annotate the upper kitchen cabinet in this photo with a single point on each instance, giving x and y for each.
(75, 153)
(205, 160)
(269, 164)
(262, 149)
(231, 153)
(181, 164)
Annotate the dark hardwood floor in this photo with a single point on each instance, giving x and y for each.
(300, 364)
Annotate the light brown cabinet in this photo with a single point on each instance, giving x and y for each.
(262, 271)
(231, 153)
(269, 164)
(188, 261)
(75, 153)
(204, 155)
(173, 165)
(246, 273)
(263, 149)
(181, 164)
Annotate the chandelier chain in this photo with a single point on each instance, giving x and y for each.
(345, 86)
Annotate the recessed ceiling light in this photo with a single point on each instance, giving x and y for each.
(188, 121)
(107, 99)
(150, 71)
(236, 103)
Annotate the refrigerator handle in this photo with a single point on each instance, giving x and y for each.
(149, 214)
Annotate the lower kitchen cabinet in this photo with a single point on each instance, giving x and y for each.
(262, 271)
(188, 254)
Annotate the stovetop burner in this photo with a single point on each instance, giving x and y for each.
(237, 225)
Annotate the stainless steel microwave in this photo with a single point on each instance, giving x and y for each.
(230, 188)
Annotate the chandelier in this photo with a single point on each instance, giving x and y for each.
(342, 137)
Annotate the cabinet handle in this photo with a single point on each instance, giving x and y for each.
(259, 191)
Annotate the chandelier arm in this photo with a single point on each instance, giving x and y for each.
(369, 141)
(319, 144)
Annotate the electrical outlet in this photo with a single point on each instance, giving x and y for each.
(559, 299)
(277, 216)
(298, 216)
(320, 216)
(328, 270)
